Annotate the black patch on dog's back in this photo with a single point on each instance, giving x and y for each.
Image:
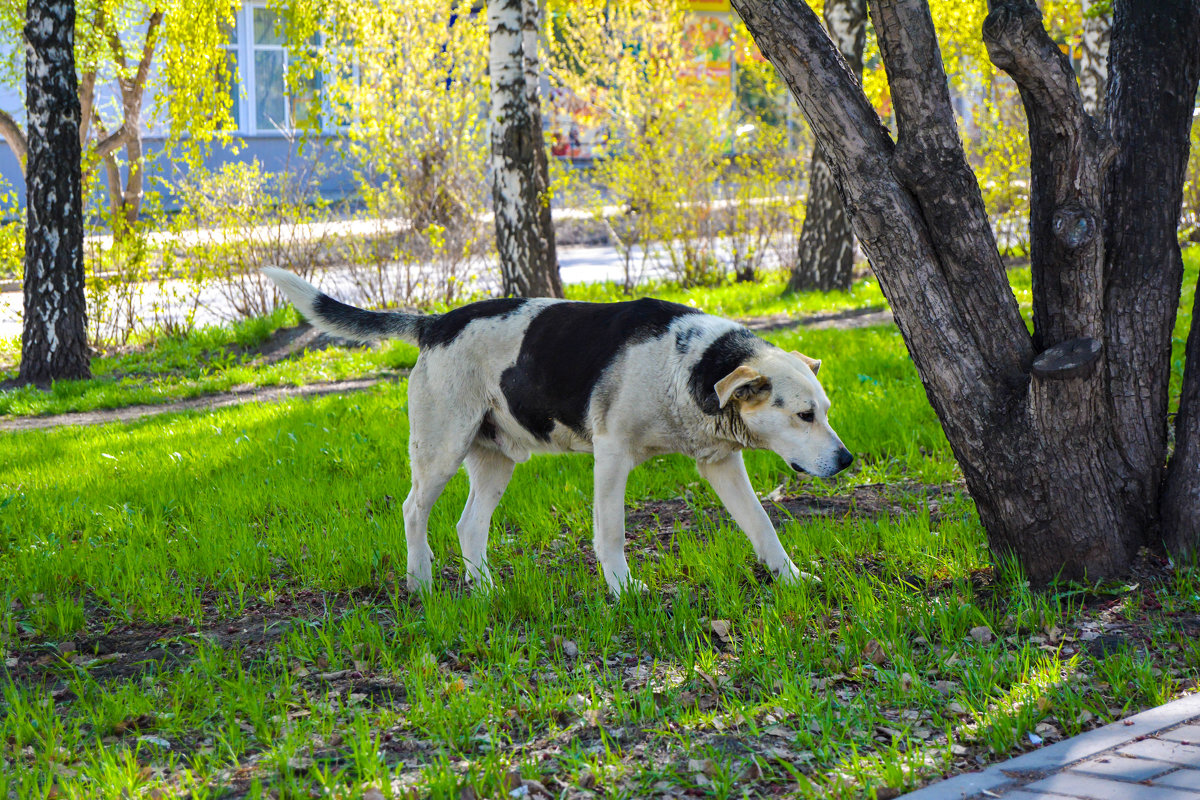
(566, 350)
(443, 330)
(726, 353)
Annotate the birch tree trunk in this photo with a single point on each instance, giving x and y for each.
(1093, 69)
(1061, 435)
(524, 235)
(54, 338)
(825, 255)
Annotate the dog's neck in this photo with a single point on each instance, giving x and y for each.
(729, 426)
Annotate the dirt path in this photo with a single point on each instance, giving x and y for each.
(208, 402)
(288, 341)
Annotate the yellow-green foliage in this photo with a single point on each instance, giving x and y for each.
(408, 81)
(666, 133)
(190, 73)
(1191, 189)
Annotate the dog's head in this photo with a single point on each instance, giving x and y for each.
(781, 402)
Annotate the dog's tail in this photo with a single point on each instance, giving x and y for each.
(342, 320)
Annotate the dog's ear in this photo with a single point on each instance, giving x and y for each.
(743, 383)
(813, 363)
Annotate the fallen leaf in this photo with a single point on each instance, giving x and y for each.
(704, 766)
(156, 741)
(906, 682)
(873, 652)
(709, 679)
(721, 628)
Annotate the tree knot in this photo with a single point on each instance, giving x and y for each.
(1074, 226)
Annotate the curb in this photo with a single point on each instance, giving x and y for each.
(1033, 765)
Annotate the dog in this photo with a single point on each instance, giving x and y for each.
(498, 380)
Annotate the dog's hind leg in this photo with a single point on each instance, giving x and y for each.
(490, 472)
(731, 483)
(608, 516)
(437, 444)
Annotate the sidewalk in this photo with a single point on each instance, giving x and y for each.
(577, 264)
(1154, 755)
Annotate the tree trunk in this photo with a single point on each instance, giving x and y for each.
(1093, 67)
(1061, 440)
(54, 338)
(531, 14)
(527, 261)
(825, 255)
(125, 198)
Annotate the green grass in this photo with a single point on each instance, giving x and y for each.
(233, 584)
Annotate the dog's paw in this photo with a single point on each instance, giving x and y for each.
(630, 586)
(481, 581)
(791, 575)
(419, 583)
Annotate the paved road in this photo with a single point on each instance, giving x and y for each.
(1154, 755)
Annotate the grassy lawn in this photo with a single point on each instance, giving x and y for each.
(213, 605)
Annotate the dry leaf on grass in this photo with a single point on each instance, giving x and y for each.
(982, 634)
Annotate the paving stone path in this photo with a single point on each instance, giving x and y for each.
(1154, 755)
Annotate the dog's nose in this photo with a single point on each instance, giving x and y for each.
(844, 459)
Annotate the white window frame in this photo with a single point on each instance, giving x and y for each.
(245, 80)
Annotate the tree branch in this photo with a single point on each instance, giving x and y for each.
(1068, 159)
(87, 97)
(930, 162)
(15, 137)
(954, 359)
(112, 142)
(152, 30)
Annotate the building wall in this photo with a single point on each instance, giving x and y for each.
(265, 112)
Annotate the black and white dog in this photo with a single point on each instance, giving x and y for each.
(500, 379)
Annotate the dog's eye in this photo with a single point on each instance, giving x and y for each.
(807, 416)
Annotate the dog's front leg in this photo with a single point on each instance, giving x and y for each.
(731, 483)
(608, 516)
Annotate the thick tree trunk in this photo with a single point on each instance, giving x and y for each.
(527, 261)
(825, 254)
(1145, 266)
(54, 339)
(1043, 447)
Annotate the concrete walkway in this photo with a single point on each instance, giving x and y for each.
(1154, 755)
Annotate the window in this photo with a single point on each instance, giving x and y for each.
(232, 80)
(266, 103)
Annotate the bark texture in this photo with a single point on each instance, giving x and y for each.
(524, 238)
(54, 339)
(1053, 431)
(825, 254)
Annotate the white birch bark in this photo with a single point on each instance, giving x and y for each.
(524, 244)
(53, 337)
